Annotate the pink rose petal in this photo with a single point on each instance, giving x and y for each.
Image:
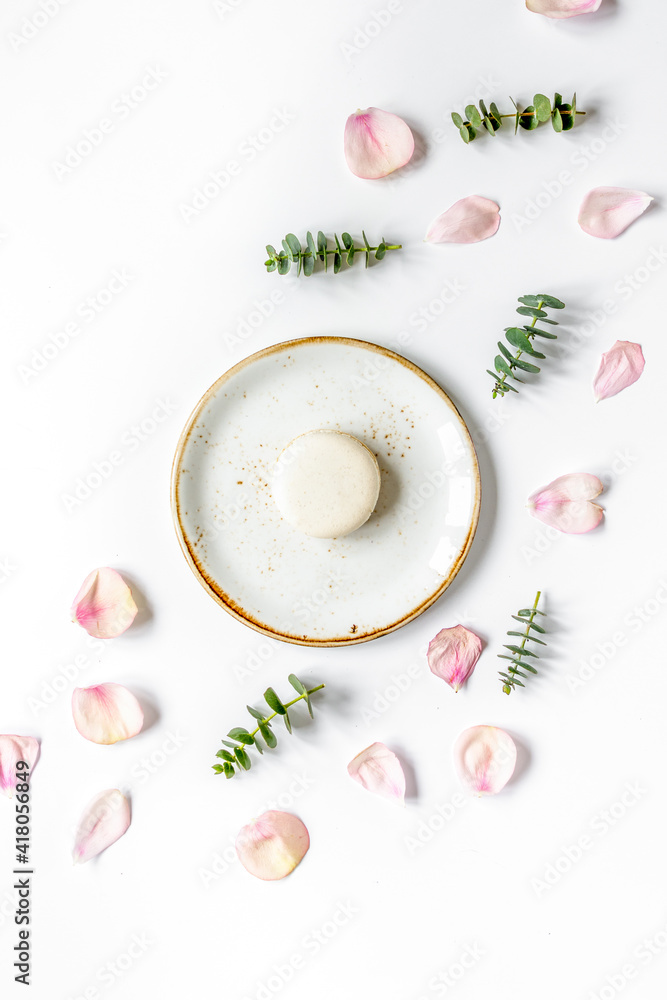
(468, 221)
(105, 820)
(566, 503)
(378, 770)
(562, 8)
(484, 759)
(620, 367)
(104, 605)
(12, 750)
(106, 713)
(607, 211)
(453, 654)
(376, 143)
(271, 846)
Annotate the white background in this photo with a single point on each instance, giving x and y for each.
(407, 908)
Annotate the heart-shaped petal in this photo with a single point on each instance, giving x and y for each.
(606, 212)
(104, 605)
(484, 759)
(453, 654)
(566, 503)
(106, 713)
(12, 750)
(468, 221)
(562, 8)
(377, 142)
(271, 846)
(620, 366)
(378, 770)
(105, 820)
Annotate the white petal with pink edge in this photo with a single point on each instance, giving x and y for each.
(484, 759)
(271, 846)
(378, 770)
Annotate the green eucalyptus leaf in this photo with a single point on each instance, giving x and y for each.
(518, 338)
(241, 736)
(465, 133)
(268, 735)
(274, 702)
(495, 117)
(272, 252)
(350, 256)
(541, 333)
(308, 265)
(530, 300)
(567, 117)
(271, 265)
(321, 244)
(483, 109)
(228, 744)
(310, 244)
(243, 759)
(287, 721)
(229, 770)
(529, 119)
(503, 350)
(542, 107)
(489, 125)
(456, 118)
(298, 686)
(381, 251)
(501, 365)
(287, 249)
(294, 244)
(530, 311)
(551, 301)
(347, 240)
(284, 264)
(473, 116)
(558, 100)
(557, 120)
(255, 714)
(338, 261)
(525, 365)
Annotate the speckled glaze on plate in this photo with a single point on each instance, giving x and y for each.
(315, 591)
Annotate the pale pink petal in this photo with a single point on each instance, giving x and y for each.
(12, 750)
(484, 759)
(271, 846)
(468, 221)
(566, 503)
(377, 142)
(607, 211)
(378, 770)
(104, 605)
(453, 654)
(106, 713)
(620, 367)
(562, 8)
(105, 820)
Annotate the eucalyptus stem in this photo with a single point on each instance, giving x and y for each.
(238, 758)
(507, 364)
(521, 654)
(561, 115)
(305, 257)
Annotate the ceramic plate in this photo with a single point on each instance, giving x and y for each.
(314, 591)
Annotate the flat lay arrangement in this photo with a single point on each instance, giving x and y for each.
(311, 507)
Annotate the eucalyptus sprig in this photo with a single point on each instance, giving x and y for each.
(239, 759)
(306, 257)
(562, 116)
(522, 654)
(507, 364)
